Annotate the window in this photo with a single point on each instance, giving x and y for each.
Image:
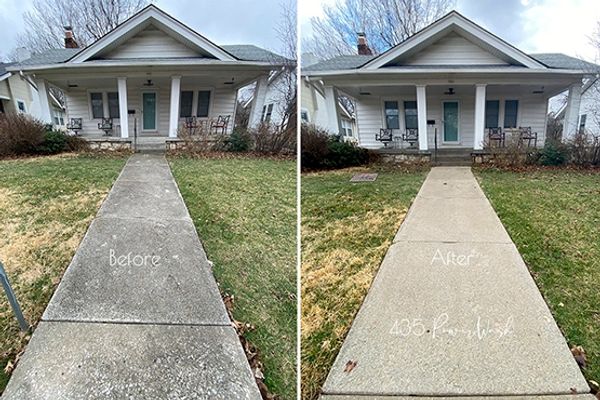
(203, 103)
(346, 128)
(582, 120)
(304, 115)
(266, 113)
(511, 108)
(410, 115)
(186, 103)
(113, 105)
(492, 113)
(97, 105)
(391, 115)
(21, 106)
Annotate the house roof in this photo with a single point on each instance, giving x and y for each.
(3, 72)
(563, 61)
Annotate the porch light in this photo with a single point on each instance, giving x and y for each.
(450, 92)
(538, 91)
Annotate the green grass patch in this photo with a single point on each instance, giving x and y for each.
(346, 230)
(553, 216)
(46, 205)
(245, 213)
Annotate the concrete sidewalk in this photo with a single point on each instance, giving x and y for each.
(453, 311)
(138, 314)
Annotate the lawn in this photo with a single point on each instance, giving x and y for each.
(245, 212)
(553, 216)
(346, 230)
(46, 205)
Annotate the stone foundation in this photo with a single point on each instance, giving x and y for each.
(406, 158)
(110, 145)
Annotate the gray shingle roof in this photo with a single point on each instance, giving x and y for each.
(3, 67)
(244, 52)
(552, 60)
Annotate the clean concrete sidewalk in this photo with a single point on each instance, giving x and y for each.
(453, 311)
(138, 314)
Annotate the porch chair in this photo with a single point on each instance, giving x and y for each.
(525, 134)
(384, 136)
(190, 124)
(75, 125)
(106, 125)
(221, 123)
(411, 136)
(497, 135)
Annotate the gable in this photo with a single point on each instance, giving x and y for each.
(151, 42)
(454, 49)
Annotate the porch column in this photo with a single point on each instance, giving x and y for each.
(260, 96)
(174, 113)
(123, 116)
(422, 116)
(572, 112)
(42, 88)
(479, 125)
(331, 108)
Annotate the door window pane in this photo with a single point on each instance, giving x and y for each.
(113, 105)
(391, 115)
(203, 103)
(410, 115)
(185, 104)
(492, 111)
(97, 105)
(511, 108)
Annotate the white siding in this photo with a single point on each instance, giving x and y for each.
(370, 117)
(222, 103)
(454, 50)
(590, 106)
(151, 43)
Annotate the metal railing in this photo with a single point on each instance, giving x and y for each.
(12, 299)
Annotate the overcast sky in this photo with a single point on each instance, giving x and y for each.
(222, 21)
(534, 26)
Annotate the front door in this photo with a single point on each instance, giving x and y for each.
(149, 111)
(451, 121)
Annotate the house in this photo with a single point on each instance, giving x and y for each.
(589, 110)
(150, 76)
(447, 85)
(19, 94)
(274, 109)
(313, 110)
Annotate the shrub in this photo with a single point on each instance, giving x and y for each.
(54, 142)
(584, 149)
(323, 151)
(271, 139)
(554, 153)
(239, 141)
(76, 143)
(20, 134)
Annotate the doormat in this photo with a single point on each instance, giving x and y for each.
(363, 178)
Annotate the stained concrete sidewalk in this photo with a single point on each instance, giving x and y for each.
(138, 314)
(453, 311)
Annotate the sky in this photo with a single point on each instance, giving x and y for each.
(222, 21)
(534, 26)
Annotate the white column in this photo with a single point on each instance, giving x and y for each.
(42, 88)
(174, 112)
(572, 112)
(260, 95)
(479, 125)
(331, 108)
(422, 116)
(123, 116)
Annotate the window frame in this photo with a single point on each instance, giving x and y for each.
(504, 125)
(209, 106)
(19, 102)
(91, 105)
(181, 92)
(385, 114)
(416, 108)
(118, 116)
(497, 125)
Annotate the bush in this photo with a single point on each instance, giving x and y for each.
(54, 142)
(323, 151)
(584, 149)
(20, 134)
(554, 153)
(239, 141)
(271, 139)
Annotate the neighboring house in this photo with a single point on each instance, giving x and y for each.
(313, 110)
(452, 78)
(274, 103)
(19, 94)
(589, 110)
(148, 75)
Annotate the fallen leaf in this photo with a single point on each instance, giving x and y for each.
(350, 366)
(579, 354)
(9, 368)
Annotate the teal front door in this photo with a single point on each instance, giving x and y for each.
(451, 121)
(149, 111)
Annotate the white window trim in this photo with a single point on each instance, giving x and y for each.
(17, 101)
(503, 109)
(195, 90)
(400, 113)
(105, 109)
(500, 121)
(156, 110)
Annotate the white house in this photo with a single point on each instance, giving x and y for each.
(449, 84)
(274, 96)
(150, 75)
(589, 110)
(19, 94)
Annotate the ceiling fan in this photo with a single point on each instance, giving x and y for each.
(449, 92)
(149, 83)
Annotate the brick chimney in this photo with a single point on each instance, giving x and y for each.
(70, 42)
(363, 47)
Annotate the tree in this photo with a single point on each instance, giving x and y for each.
(89, 19)
(385, 23)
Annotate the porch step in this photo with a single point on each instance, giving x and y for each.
(452, 157)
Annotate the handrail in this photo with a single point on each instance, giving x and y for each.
(12, 299)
